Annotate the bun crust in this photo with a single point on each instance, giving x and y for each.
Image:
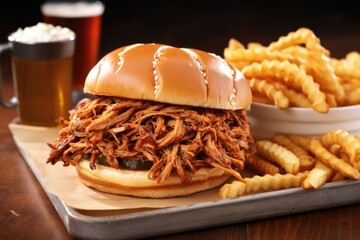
(136, 183)
(163, 73)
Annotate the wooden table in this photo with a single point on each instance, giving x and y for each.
(27, 213)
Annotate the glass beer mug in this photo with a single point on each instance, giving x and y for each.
(42, 68)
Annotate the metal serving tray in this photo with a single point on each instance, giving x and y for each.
(149, 222)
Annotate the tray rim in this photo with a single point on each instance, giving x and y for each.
(200, 215)
(76, 222)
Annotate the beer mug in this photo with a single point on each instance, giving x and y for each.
(84, 18)
(42, 73)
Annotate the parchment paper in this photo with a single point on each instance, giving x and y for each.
(64, 183)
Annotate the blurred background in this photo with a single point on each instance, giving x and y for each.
(208, 25)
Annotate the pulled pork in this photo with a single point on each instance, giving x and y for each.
(176, 139)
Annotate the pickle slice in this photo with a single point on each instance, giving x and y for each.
(124, 163)
(102, 160)
(135, 164)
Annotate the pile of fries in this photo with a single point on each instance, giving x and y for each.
(288, 161)
(297, 71)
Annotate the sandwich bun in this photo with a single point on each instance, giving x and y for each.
(171, 75)
(137, 183)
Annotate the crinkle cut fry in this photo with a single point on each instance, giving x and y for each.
(258, 55)
(347, 141)
(299, 37)
(306, 161)
(319, 59)
(291, 74)
(235, 44)
(259, 165)
(352, 90)
(337, 177)
(259, 98)
(353, 58)
(317, 176)
(300, 53)
(296, 99)
(344, 69)
(278, 154)
(303, 141)
(325, 75)
(261, 184)
(331, 160)
(269, 90)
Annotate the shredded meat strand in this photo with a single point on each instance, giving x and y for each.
(177, 139)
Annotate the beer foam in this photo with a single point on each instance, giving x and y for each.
(42, 32)
(72, 9)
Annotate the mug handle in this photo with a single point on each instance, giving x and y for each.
(3, 102)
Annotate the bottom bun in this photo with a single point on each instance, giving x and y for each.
(137, 183)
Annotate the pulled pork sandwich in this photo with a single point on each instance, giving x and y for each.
(164, 122)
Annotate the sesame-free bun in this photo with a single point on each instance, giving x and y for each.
(137, 183)
(163, 73)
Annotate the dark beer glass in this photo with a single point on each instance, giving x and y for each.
(84, 18)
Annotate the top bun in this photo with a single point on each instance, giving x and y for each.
(167, 74)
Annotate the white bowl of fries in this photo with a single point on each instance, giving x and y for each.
(267, 120)
(297, 86)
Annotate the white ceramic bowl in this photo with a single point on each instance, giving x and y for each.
(267, 120)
